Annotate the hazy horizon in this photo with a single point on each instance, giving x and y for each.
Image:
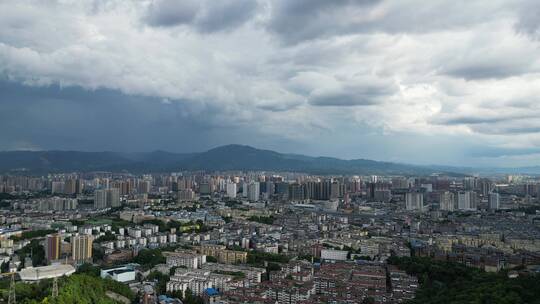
(281, 152)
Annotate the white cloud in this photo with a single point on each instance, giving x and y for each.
(444, 68)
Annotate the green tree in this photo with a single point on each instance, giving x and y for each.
(368, 300)
(107, 237)
(32, 234)
(262, 219)
(34, 250)
(258, 258)
(149, 258)
(89, 269)
(190, 298)
(4, 267)
(160, 279)
(447, 282)
(211, 259)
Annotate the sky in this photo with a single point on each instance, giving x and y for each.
(453, 82)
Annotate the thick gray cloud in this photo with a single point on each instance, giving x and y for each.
(507, 129)
(482, 118)
(494, 61)
(279, 105)
(72, 118)
(471, 120)
(206, 16)
(350, 96)
(529, 19)
(298, 21)
(307, 19)
(288, 75)
(341, 99)
(486, 71)
(171, 13)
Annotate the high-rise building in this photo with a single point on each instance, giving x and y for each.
(296, 192)
(486, 186)
(70, 186)
(79, 186)
(427, 187)
(414, 201)
(470, 183)
(107, 198)
(57, 187)
(494, 201)
(374, 187)
(325, 190)
(231, 189)
(100, 199)
(113, 197)
(281, 189)
(124, 187)
(58, 204)
(245, 189)
(254, 191)
(186, 195)
(355, 185)
(447, 201)
(104, 183)
(334, 190)
(205, 189)
(144, 186)
(400, 183)
(383, 195)
(52, 247)
(81, 248)
(311, 189)
(466, 200)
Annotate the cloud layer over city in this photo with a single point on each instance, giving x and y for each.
(447, 82)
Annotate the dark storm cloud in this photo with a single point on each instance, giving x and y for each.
(471, 120)
(171, 13)
(205, 16)
(361, 95)
(485, 72)
(491, 70)
(74, 118)
(507, 129)
(529, 19)
(279, 105)
(342, 99)
(301, 20)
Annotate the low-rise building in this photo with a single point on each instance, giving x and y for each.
(121, 274)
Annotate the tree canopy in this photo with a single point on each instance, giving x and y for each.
(452, 283)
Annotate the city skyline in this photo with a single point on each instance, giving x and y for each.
(449, 83)
(242, 236)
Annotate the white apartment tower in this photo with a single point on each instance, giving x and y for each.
(447, 201)
(231, 189)
(254, 191)
(414, 201)
(466, 200)
(494, 201)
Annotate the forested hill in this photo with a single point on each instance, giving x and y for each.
(230, 157)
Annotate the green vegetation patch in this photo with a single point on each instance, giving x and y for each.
(269, 220)
(26, 235)
(453, 283)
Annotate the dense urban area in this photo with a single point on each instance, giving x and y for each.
(269, 237)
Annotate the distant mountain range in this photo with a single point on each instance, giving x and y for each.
(224, 158)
